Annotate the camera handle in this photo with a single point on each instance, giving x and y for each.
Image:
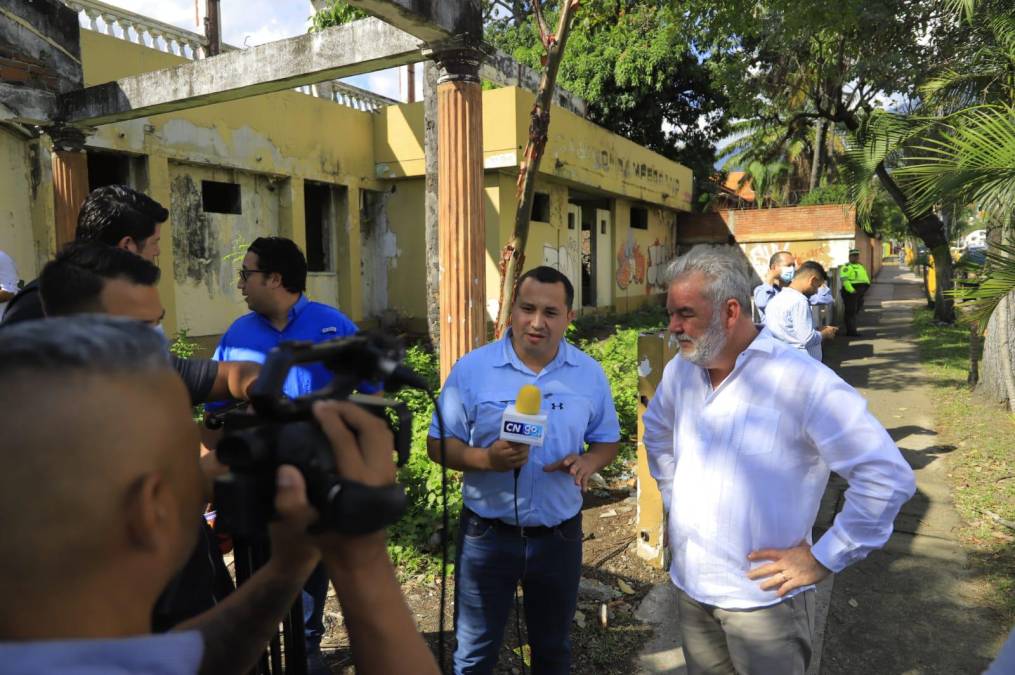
(379, 406)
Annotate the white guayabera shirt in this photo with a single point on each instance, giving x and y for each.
(743, 466)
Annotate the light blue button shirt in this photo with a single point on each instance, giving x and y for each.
(579, 409)
(165, 654)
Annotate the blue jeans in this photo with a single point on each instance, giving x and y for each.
(489, 566)
(315, 593)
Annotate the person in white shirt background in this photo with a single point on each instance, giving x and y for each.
(741, 435)
(788, 316)
(8, 281)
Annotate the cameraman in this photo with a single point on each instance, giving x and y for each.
(98, 505)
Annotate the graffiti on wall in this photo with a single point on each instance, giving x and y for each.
(821, 251)
(631, 264)
(634, 267)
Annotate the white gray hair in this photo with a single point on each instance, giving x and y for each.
(724, 268)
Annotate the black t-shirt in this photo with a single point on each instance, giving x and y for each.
(198, 375)
(24, 306)
(202, 583)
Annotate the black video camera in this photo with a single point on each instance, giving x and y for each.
(281, 430)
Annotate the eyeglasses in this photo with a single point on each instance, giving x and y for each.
(245, 273)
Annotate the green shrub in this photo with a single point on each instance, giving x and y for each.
(412, 543)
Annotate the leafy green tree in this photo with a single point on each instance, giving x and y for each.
(631, 60)
(836, 61)
(335, 13)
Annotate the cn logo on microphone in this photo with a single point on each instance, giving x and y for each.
(533, 431)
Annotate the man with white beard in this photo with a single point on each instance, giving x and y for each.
(741, 435)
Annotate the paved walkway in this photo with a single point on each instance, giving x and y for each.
(907, 609)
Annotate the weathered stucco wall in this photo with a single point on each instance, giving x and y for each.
(16, 189)
(578, 151)
(270, 145)
(641, 256)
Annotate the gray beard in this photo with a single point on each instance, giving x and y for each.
(706, 347)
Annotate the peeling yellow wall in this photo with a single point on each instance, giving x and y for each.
(398, 136)
(637, 280)
(578, 152)
(16, 204)
(276, 140)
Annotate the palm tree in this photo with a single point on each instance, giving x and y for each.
(966, 154)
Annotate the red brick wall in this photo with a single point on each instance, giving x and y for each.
(829, 221)
(702, 228)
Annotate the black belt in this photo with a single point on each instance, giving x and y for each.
(523, 530)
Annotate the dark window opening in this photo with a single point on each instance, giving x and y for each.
(639, 218)
(219, 197)
(317, 208)
(570, 221)
(107, 168)
(541, 207)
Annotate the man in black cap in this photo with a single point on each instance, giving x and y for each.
(855, 283)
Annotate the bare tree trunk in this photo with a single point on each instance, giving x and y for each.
(513, 254)
(819, 154)
(929, 228)
(975, 345)
(433, 308)
(998, 381)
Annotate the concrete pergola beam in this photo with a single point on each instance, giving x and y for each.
(429, 20)
(23, 105)
(351, 49)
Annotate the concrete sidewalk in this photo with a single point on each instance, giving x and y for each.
(907, 609)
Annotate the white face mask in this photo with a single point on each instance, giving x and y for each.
(787, 273)
(159, 329)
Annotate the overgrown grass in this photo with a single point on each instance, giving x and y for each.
(982, 469)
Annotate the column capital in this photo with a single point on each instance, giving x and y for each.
(67, 138)
(458, 59)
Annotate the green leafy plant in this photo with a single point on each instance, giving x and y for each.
(182, 345)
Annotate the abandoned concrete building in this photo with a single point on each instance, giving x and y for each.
(342, 173)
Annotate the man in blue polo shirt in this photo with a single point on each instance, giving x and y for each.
(544, 553)
(273, 279)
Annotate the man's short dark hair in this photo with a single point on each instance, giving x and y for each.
(281, 255)
(812, 267)
(71, 283)
(548, 275)
(113, 212)
(774, 260)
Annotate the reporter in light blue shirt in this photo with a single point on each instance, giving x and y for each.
(544, 553)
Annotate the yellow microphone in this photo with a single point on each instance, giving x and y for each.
(522, 422)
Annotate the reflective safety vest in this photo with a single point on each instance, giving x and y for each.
(853, 273)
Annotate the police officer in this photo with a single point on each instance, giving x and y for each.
(855, 283)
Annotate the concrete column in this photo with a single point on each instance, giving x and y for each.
(160, 189)
(655, 351)
(431, 208)
(462, 229)
(350, 257)
(70, 180)
(292, 215)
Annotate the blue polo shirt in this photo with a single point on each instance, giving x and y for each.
(252, 336)
(579, 409)
(164, 654)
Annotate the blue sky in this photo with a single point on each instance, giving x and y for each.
(254, 22)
